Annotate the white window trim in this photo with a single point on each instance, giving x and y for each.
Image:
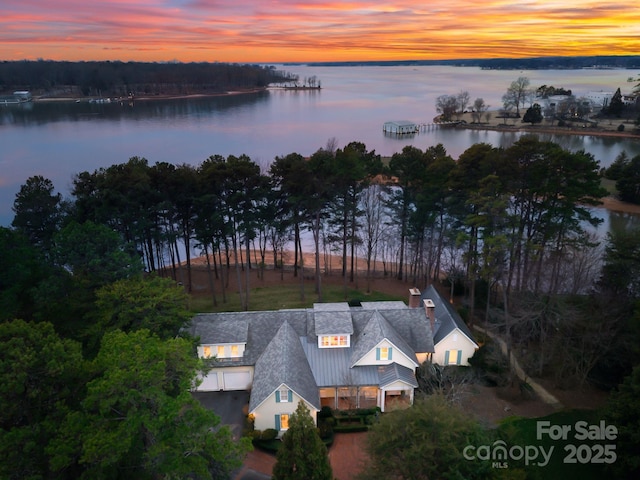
(345, 335)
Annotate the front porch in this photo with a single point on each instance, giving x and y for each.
(390, 397)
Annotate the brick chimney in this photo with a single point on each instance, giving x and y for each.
(430, 309)
(414, 298)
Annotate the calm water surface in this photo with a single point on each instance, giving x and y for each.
(58, 140)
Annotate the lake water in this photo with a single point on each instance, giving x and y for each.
(58, 140)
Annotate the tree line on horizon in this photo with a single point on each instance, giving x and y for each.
(115, 78)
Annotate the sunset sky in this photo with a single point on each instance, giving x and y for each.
(314, 30)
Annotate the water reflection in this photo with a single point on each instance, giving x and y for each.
(39, 113)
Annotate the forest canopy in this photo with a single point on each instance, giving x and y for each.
(138, 78)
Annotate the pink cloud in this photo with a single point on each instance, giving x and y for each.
(253, 30)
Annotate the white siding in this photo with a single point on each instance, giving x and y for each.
(266, 412)
(397, 356)
(456, 340)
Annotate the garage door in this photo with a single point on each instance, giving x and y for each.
(209, 383)
(237, 380)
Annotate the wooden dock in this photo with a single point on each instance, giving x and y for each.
(402, 129)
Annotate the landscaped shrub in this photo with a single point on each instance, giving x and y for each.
(325, 412)
(270, 446)
(369, 411)
(621, 127)
(269, 434)
(350, 428)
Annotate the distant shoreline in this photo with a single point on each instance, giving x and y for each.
(605, 128)
(87, 99)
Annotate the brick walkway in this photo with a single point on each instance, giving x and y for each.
(346, 455)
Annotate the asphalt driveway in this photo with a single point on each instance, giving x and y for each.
(228, 406)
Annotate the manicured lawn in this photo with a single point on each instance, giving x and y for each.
(609, 186)
(523, 432)
(286, 296)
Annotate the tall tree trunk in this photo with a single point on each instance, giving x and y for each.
(316, 239)
(247, 277)
(210, 275)
(296, 241)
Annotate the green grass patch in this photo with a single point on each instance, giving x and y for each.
(609, 186)
(285, 297)
(523, 432)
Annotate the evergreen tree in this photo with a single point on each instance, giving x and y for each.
(533, 114)
(302, 455)
(623, 411)
(616, 105)
(37, 211)
(628, 184)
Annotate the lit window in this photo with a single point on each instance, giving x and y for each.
(384, 353)
(235, 351)
(451, 357)
(284, 421)
(220, 351)
(206, 351)
(334, 341)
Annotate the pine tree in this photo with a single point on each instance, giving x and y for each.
(616, 105)
(302, 455)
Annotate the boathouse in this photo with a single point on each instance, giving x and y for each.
(400, 127)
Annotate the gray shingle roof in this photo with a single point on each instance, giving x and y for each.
(282, 345)
(283, 362)
(333, 322)
(447, 319)
(384, 305)
(377, 328)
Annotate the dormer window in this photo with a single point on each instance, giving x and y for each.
(233, 351)
(334, 341)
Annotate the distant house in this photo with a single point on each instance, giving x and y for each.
(600, 99)
(23, 95)
(329, 355)
(400, 127)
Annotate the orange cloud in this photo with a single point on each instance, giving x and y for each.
(278, 31)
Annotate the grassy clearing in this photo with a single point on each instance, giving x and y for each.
(523, 432)
(609, 186)
(285, 297)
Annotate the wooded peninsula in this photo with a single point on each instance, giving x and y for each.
(45, 79)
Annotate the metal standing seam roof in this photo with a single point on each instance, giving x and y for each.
(283, 362)
(331, 367)
(395, 372)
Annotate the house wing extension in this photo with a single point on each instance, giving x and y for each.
(283, 362)
(375, 331)
(447, 319)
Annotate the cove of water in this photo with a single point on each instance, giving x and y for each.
(60, 139)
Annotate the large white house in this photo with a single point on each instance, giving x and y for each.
(330, 355)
